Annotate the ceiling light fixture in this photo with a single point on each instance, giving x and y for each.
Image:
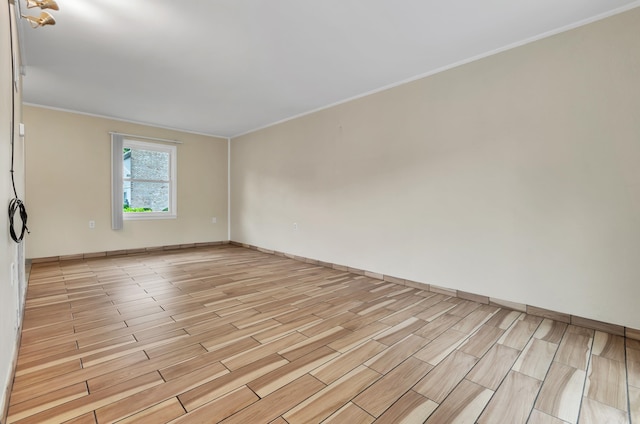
(45, 18)
(42, 4)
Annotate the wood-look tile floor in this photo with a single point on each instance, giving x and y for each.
(227, 334)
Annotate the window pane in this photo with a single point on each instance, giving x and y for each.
(126, 166)
(146, 196)
(147, 165)
(148, 180)
(127, 195)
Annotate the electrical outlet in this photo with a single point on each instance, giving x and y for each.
(92, 224)
(295, 226)
(214, 220)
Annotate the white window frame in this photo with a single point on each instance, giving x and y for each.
(172, 213)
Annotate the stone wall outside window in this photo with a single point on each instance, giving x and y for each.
(150, 165)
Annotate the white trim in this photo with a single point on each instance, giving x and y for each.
(141, 216)
(144, 137)
(520, 43)
(128, 121)
(229, 189)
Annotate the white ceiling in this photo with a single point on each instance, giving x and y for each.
(228, 67)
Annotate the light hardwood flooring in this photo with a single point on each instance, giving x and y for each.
(232, 335)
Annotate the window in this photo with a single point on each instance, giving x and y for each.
(148, 180)
(144, 180)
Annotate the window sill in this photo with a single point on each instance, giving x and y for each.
(132, 216)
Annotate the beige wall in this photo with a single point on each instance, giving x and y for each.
(68, 184)
(12, 284)
(516, 176)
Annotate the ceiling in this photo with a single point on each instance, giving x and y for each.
(229, 67)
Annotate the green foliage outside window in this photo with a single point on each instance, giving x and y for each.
(130, 209)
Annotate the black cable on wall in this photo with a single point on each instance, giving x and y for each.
(15, 204)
